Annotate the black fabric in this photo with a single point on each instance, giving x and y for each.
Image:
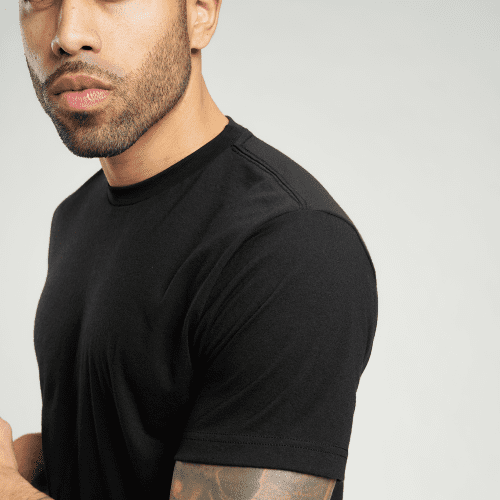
(220, 312)
(39, 480)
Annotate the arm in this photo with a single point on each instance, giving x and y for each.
(192, 481)
(29, 455)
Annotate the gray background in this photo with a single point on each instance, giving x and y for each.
(394, 106)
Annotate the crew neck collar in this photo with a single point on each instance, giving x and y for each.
(129, 195)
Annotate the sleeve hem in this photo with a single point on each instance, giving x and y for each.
(270, 453)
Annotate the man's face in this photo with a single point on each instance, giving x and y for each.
(140, 47)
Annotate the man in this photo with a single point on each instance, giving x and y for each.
(209, 309)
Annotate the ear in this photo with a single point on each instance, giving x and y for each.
(203, 16)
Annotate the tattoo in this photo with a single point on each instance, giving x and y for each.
(212, 482)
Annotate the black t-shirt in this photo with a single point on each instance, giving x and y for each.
(221, 312)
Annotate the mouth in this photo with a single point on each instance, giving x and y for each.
(83, 100)
(77, 83)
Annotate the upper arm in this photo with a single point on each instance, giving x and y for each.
(192, 481)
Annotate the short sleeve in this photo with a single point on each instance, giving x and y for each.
(281, 347)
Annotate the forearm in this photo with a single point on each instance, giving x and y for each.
(29, 455)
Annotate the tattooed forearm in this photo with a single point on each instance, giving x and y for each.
(210, 482)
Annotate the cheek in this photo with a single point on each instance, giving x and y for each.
(133, 31)
(36, 39)
(124, 52)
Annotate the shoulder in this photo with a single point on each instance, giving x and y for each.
(300, 185)
(306, 237)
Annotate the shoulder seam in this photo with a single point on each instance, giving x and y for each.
(267, 168)
(248, 155)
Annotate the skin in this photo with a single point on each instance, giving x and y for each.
(192, 481)
(159, 110)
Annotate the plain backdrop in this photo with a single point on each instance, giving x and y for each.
(394, 106)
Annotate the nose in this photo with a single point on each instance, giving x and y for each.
(76, 28)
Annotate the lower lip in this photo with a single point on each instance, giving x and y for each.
(86, 99)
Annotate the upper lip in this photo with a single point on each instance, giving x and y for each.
(77, 82)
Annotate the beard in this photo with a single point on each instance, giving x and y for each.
(136, 103)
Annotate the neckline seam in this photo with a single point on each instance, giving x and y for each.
(135, 193)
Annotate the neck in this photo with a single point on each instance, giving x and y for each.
(192, 123)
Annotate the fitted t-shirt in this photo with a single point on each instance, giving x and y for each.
(221, 312)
